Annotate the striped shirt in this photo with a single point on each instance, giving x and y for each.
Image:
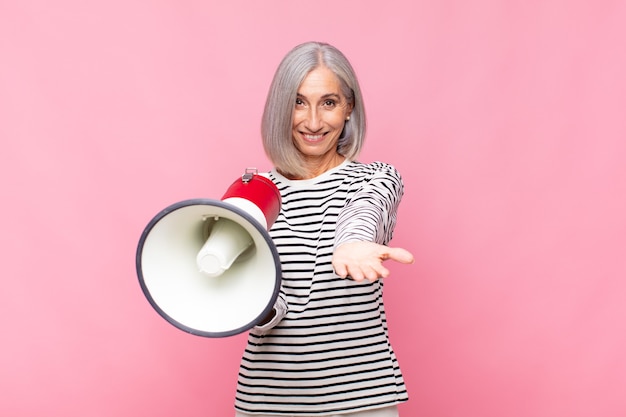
(327, 350)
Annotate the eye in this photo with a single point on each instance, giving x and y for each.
(330, 104)
(299, 102)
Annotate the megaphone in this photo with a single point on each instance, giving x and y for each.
(209, 267)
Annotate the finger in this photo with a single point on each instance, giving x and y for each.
(382, 272)
(340, 269)
(356, 273)
(400, 255)
(372, 274)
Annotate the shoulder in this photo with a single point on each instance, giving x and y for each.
(373, 170)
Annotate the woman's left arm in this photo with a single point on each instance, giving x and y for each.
(365, 226)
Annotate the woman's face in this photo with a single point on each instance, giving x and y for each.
(320, 113)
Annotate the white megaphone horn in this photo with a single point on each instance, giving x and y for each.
(209, 267)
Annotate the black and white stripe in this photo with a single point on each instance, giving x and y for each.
(330, 353)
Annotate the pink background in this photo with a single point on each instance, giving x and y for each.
(506, 118)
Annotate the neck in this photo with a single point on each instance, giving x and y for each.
(316, 167)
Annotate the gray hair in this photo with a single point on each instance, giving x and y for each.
(276, 125)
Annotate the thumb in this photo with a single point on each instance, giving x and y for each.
(400, 255)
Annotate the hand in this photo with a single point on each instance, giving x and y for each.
(364, 260)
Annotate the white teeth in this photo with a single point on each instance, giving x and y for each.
(313, 137)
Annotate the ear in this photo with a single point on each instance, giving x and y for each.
(349, 108)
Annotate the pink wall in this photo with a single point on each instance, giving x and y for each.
(507, 119)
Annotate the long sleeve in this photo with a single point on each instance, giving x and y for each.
(371, 214)
(280, 308)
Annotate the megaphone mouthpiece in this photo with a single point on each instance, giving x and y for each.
(227, 240)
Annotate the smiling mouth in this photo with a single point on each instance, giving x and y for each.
(313, 138)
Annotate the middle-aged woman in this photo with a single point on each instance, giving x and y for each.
(324, 351)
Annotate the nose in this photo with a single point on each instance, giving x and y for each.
(313, 120)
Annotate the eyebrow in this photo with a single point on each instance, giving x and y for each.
(325, 96)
